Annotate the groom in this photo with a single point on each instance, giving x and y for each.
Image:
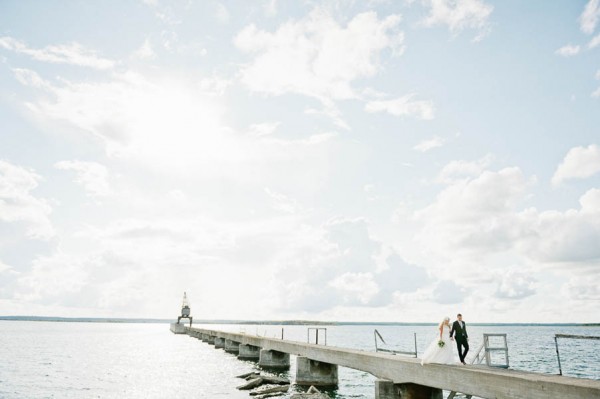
(462, 338)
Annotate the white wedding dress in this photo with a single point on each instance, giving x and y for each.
(435, 354)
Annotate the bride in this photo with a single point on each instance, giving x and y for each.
(440, 350)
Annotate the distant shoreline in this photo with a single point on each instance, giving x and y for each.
(268, 322)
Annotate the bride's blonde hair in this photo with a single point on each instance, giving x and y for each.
(444, 321)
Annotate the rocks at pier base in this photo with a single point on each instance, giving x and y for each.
(312, 393)
(253, 383)
(249, 376)
(256, 380)
(268, 391)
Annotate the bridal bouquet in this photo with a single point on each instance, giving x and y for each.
(441, 343)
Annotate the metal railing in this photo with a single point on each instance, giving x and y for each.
(316, 329)
(393, 351)
(489, 361)
(556, 336)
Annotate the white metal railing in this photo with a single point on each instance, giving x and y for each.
(556, 336)
(393, 351)
(316, 330)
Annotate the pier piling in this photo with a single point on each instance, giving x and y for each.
(311, 372)
(248, 352)
(274, 359)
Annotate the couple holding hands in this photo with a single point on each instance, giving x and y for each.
(440, 350)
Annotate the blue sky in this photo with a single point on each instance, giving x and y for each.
(338, 160)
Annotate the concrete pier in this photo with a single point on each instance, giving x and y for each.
(412, 380)
(248, 352)
(211, 340)
(232, 346)
(219, 342)
(385, 389)
(178, 328)
(311, 372)
(414, 391)
(274, 359)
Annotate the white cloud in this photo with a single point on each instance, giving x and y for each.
(403, 106)
(343, 256)
(430, 144)
(568, 51)
(596, 93)
(263, 129)
(30, 78)
(214, 86)
(282, 202)
(477, 219)
(472, 217)
(515, 284)
(222, 14)
(52, 278)
(91, 175)
(355, 285)
(460, 15)
(594, 42)
(118, 268)
(270, 7)
(4, 268)
(18, 205)
(315, 56)
(74, 54)
(582, 289)
(579, 163)
(570, 238)
(172, 126)
(460, 169)
(139, 118)
(401, 276)
(145, 51)
(331, 111)
(448, 292)
(590, 16)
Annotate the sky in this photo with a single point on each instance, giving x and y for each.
(321, 160)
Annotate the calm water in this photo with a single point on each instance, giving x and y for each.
(98, 360)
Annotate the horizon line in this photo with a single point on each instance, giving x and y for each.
(273, 322)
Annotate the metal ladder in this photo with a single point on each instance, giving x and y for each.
(484, 353)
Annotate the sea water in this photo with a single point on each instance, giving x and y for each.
(118, 360)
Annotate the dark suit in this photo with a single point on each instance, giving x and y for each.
(461, 338)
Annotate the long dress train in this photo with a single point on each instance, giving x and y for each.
(436, 354)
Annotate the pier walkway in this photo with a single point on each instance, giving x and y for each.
(402, 377)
